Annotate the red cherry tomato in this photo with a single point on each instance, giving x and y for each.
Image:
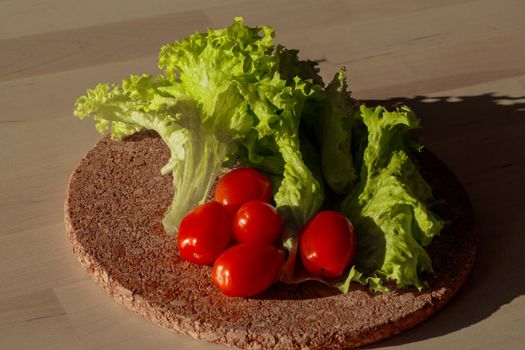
(257, 221)
(204, 233)
(327, 244)
(240, 186)
(247, 269)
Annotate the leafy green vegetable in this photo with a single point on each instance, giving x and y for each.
(390, 204)
(196, 151)
(334, 131)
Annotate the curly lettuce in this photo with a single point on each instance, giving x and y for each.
(390, 205)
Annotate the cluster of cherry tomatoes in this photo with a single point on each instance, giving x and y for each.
(239, 233)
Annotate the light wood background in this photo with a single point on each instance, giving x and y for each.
(460, 64)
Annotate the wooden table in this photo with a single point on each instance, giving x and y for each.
(459, 64)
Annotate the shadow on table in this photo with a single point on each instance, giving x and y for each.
(482, 139)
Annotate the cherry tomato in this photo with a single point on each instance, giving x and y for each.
(204, 233)
(240, 186)
(247, 269)
(327, 244)
(257, 221)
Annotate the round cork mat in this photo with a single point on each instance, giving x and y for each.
(114, 204)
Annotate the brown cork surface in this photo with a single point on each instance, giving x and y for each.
(115, 202)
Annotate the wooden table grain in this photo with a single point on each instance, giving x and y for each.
(459, 64)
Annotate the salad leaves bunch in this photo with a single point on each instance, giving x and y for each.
(232, 96)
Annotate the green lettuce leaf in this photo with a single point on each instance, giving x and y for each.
(196, 153)
(390, 205)
(333, 134)
(278, 107)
